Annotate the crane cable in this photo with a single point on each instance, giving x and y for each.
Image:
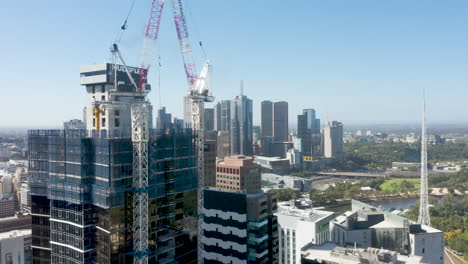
(124, 26)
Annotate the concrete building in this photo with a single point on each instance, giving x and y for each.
(81, 183)
(331, 253)
(164, 119)
(187, 111)
(273, 164)
(288, 182)
(209, 119)
(333, 140)
(299, 227)
(239, 228)
(8, 205)
(241, 130)
(25, 201)
(74, 124)
(17, 222)
(101, 90)
(308, 131)
(365, 226)
(210, 163)
(238, 174)
(15, 247)
(6, 185)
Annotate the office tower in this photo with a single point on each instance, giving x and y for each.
(256, 131)
(239, 228)
(280, 121)
(308, 131)
(178, 123)
(163, 121)
(274, 120)
(241, 132)
(266, 119)
(210, 163)
(82, 183)
(74, 124)
(238, 174)
(333, 140)
(222, 115)
(209, 119)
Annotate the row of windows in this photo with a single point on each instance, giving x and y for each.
(227, 170)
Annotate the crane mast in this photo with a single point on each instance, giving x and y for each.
(148, 55)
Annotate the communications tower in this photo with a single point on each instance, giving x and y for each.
(424, 217)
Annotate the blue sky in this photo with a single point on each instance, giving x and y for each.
(355, 61)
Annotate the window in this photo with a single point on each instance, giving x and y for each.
(103, 122)
(117, 113)
(117, 122)
(103, 89)
(103, 97)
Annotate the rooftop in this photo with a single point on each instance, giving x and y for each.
(310, 215)
(15, 233)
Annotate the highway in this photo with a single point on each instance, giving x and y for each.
(451, 258)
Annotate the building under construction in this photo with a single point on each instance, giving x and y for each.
(82, 183)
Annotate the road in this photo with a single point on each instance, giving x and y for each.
(450, 258)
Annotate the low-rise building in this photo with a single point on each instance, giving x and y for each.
(274, 164)
(299, 227)
(15, 247)
(366, 226)
(8, 205)
(331, 253)
(288, 182)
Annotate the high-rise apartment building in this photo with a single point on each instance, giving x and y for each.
(241, 130)
(266, 119)
(239, 228)
(238, 174)
(333, 140)
(82, 183)
(187, 111)
(308, 131)
(74, 124)
(164, 119)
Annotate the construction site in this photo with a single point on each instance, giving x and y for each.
(120, 191)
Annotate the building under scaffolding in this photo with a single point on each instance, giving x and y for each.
(81, 194)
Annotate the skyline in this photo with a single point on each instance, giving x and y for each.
(393, 51)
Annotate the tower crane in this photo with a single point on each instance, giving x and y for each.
(199, 94)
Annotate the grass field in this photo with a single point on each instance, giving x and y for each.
(387, 185)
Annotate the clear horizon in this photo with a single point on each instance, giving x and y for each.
(357, 61)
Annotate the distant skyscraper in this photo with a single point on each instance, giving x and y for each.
(217, 116)
(274, 120)
(223, 115)
(223, 145)
(210, 163)
(333, 140)
(163, 121)
(280, 121)
(74, 124)
(424, 216)
(209, 119)
(241, 130)
(308, 131)
(266, 119)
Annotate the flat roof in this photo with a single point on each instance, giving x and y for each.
(310, 215)
(15, 233)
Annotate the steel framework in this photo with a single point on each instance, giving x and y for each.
(140, 135)
(424, 217)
